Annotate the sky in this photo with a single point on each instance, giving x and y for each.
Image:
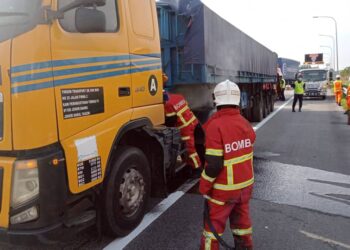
(288, 27)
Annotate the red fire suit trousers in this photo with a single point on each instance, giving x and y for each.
(237, 211)
(187, 135)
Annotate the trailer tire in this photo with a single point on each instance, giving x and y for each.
(126, 192)
(258, 109)
(266, 109)
(271, 103)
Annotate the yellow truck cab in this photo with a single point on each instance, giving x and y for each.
(81, 114)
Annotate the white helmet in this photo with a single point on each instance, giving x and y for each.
(338, 76)
(227, 93)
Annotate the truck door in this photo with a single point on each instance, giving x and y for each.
(145, 52)
(91, 65)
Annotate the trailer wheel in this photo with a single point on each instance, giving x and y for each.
(272, 103)
(266, 110)
(126, 192)
(258, 109)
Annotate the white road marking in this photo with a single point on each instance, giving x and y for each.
(270, 116)
(150, 217)
(158, 210)
(321, 238)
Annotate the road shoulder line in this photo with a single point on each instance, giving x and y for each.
(326, 240)
(270, 116)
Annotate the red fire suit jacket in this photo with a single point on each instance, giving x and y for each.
(229, 155)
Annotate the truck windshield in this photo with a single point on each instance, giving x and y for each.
(18, 16)
(315, 75)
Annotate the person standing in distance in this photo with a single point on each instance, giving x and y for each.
(282, 87)
(227, 180)
(299, 89)
(338, 90)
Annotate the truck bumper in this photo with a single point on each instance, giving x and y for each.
(47, 235)
(19, 237)
(315, 93)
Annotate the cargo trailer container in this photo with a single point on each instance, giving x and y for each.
(200, 48)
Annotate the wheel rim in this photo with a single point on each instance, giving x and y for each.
(131, 192)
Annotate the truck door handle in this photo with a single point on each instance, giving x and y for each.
(124, 91)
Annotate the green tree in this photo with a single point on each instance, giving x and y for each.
(345, 73)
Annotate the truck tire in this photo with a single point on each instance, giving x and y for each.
(126, 192)
(247, 113)
(258, 109)
(272, 103)
(266, 110)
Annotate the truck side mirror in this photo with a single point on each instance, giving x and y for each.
(90, 20)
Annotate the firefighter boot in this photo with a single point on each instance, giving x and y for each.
(240, 243)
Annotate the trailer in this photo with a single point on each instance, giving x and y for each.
(200, 49)
(288, 68)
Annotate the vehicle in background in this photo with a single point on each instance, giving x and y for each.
(200, 49)
(316, 81)
(289, 69)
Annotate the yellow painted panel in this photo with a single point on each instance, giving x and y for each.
(141, 18)
(34, 111)
(140, 44)
(141, 82)
(5, 89)
(155, 113)
(105, 133)
(6, 164)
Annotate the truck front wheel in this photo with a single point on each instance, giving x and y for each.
(126, 192)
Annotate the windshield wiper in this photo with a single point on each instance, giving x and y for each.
(5, 14)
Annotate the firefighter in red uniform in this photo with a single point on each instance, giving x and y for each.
(179, 115)
(227, 180)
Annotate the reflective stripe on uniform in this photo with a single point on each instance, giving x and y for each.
(241, 232)
(217, 202)
(208, 238)
(233, 186)
(179, 114)
(185, 138)
(170, 114)
(214, 152)
(210, 235)
(230, 176)
(238, 160)
(206, 177)
(194, 159)
(187, 123)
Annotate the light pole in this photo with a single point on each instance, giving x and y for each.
(336, 35)
(330, 49)
(332, 37)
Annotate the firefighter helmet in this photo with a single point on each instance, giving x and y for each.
(227, 93)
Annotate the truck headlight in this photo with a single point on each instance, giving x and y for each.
(25, 184)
